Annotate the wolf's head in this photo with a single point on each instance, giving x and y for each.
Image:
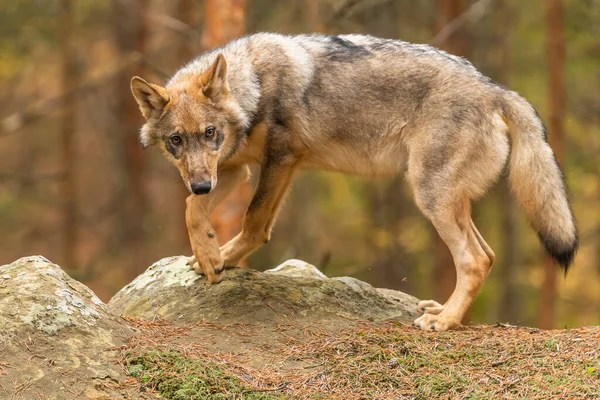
(195, 121)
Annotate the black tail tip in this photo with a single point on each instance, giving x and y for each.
(562, 253)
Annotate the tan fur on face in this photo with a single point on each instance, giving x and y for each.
(187, 110)
(197, 160)
(150, 97)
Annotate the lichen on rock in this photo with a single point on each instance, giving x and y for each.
(297, 269)
(171, 290)
(178, 273)
(53, 328)
(44, 297)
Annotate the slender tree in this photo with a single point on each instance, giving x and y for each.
(130, 25)
(594, 16)
(312, 14)
(556, 66)
(389, 204)
(224, 21)
(509, 298)
(68, 156)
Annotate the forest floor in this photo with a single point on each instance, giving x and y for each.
(359, 360)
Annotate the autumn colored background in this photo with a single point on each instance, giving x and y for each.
(76, 187)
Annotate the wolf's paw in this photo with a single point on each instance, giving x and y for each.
(429, 307)
(212, 268)
(438, 323)
(191, 261)
(235, 250)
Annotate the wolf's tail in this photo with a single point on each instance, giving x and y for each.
(537, 181)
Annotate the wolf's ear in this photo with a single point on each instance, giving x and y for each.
(214, 79)
(151, 98)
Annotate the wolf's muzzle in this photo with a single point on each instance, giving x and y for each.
(201, 187)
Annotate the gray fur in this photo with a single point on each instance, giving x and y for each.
(371, 106)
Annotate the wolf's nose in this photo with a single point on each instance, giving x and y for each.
(201, 187)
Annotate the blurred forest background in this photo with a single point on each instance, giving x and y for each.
(76, 187)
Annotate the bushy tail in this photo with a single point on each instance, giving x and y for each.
(537, 181)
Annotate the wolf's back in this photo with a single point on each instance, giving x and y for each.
(537, 181)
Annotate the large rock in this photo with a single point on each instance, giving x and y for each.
(57, 339)
(171, 290)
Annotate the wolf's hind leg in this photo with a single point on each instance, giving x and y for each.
(488, 250)
(450, 165)
(454, 225)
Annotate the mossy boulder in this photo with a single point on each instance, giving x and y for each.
(171, 290)
(57, 338)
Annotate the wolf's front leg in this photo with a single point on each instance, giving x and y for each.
(273, 185)
(207, 258)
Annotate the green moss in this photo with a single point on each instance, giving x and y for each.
(174, 376)
(136, 370)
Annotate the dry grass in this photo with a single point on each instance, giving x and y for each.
(376, 361)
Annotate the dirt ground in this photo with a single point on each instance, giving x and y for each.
(351, 359)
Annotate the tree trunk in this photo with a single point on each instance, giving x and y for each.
(597, 32)
(69, 78)
(444, 278)
(130, 34)
(185, 10)
(225, 20)
(509, 299)
(312, 14)
(457, 43)
(556, 64)
(389, 206)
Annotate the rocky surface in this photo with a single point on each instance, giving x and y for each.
(297, 269)
(170, 290)
(290, 332)
(57, 339)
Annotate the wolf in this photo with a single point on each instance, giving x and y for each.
(354, 104)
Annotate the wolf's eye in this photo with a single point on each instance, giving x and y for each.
(176, 140)
(209, 132)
